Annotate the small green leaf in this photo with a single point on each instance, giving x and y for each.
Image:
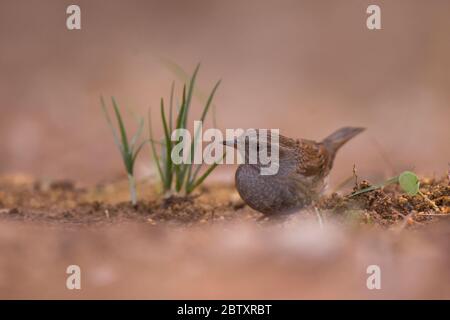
(409, 182)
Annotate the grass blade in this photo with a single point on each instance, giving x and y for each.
(152, 144)
(110, 124)
(202, 178)
(137, 135)
(374, 187)
(123, 132)
(179, 168)
(138, 149)
(181, 111)
(183, 76)
(172, 89)
(208, 102)
(168, 141)
(184, 116)
(189, 95)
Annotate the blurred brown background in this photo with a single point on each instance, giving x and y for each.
(306, 67)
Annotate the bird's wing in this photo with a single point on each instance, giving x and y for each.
(313, 159)
(288, 142)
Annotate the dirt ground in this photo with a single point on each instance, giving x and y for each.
(212, 245)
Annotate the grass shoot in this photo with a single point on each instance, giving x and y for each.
(129, 149)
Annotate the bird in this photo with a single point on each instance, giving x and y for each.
(303, 168)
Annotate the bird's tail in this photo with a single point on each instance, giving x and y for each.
(338, 138)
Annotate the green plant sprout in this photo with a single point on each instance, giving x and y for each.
(408, 182)
(129, 149)
(182, 177)
(184, 77)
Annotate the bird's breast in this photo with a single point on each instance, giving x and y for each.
(280, 193)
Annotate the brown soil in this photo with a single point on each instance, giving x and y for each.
(211, 245)
(389, 205)
(62, 202)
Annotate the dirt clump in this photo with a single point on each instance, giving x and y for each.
(389, 205)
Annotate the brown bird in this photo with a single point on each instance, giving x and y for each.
(301, 177)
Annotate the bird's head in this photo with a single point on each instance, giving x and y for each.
(259, 148)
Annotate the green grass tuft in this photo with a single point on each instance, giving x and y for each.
(180, 177)
(129, 149)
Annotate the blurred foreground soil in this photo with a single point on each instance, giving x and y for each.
(212, 246)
